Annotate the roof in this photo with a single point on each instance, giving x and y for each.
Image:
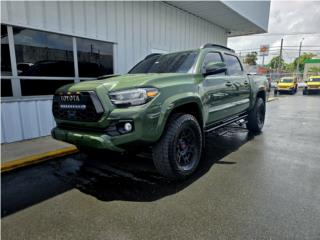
(312, 60)
(237, 17)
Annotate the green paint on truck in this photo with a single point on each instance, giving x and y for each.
(166, 101)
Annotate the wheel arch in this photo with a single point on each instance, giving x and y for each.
(191, 105)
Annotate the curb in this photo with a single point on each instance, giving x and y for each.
(272, 99)
(37, 158)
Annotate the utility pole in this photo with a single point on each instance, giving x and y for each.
(298, 61)
(280, 57)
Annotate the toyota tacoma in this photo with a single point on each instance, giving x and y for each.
(167, 102)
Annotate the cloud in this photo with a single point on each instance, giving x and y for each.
(286, 17)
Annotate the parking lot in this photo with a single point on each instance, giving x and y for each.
(247, 187)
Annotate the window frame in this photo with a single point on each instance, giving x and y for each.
(15, 78)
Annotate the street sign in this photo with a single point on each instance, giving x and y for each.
(264, 50)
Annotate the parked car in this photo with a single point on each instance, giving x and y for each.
(312, 85)
(286, 85)
(167, 101)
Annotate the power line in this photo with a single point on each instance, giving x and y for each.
(279, 34)
(278, 47)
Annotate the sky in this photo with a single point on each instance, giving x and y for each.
(285, 17)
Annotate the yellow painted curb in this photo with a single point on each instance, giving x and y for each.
(25, 161)
(272, 99)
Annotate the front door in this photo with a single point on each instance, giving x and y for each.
(218, 90)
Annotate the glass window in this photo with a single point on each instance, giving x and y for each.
(180, 62)
(95, 58)
(6, 88)
(211, 57)
(233, 64)
(41, 87)
(43, 54)
(5, 55)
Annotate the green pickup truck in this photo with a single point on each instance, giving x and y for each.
(167, 102)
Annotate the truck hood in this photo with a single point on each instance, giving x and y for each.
(121, 82)
(313, 83)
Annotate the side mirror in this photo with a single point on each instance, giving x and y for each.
(215, 68)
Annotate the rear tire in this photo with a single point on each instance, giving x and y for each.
(177, 154)
(256, 116)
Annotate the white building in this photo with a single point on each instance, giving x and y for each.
(48, 44)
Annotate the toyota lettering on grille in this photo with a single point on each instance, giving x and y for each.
(70, 98)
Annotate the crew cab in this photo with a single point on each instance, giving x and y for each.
(167, 101)
(312, 85)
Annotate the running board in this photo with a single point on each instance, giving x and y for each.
(227, 122)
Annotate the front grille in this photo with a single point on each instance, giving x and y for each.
(81, 106)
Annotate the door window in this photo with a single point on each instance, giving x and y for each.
(233, 64)
(211, 57)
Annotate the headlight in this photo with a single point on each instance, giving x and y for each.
(133, 97)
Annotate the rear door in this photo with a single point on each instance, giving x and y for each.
(218, 90)
(240, 81)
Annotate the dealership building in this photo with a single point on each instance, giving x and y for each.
(48, 44)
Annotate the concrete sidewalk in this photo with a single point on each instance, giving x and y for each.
(23, 153)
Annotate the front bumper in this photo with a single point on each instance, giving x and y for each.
(87, 139)
(146, 122)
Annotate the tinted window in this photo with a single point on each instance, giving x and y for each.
(5, 56)
(144, 65)
(41, 87)
(43, 54)
(95, 58)
(6, 89)
(168, 63)
(233, 64)
(211, 57)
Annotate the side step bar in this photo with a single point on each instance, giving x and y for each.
(227, 122)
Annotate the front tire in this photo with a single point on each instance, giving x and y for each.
(256, 116)
(177, 154)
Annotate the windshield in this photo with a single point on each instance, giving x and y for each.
(315, 79)
(286, 80)
(180, 62)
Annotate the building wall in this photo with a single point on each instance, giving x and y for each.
(307, 67)
(136, 29)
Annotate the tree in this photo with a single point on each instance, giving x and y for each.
(289, 67)
(275, 61)
(301, 60)
(251, 58)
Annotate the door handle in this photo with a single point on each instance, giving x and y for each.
(228, 84)
(246, 83)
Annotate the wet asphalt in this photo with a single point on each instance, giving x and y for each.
(247, 187)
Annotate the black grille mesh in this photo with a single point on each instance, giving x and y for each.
(91, 113)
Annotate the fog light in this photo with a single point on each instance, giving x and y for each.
(128, 127)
